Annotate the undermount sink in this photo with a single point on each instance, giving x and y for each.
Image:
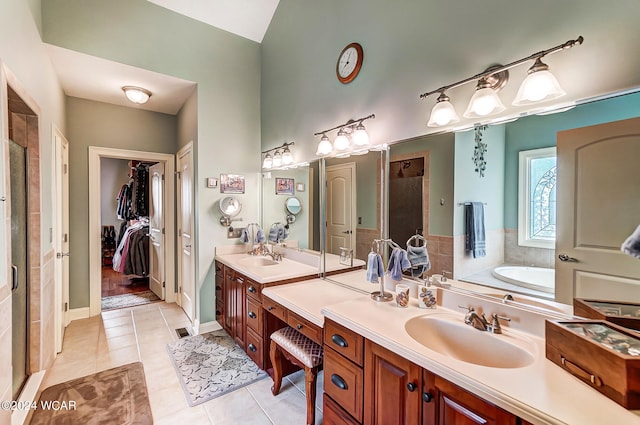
(257, 261)
(449, 335)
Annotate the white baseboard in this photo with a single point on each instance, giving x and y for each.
(28, 394)
(207, 327)
(75, 314)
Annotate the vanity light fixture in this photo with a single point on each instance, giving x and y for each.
(352, 136)
(282, 156)
(137, 95)
(539, 86)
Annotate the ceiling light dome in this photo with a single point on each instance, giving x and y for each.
(137, 95)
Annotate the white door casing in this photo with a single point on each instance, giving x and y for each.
(61, 233)
(186, 260)
(340, 209)
(156, 230)
(95, 267)
(598, 208)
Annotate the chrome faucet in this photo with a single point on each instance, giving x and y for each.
(481, 323)
(275, 256)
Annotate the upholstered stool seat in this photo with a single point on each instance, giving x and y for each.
(301, 351)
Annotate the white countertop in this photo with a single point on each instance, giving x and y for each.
(309, 297)
(541, 392)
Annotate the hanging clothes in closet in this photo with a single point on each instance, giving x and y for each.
(133, 198)
(131, 256)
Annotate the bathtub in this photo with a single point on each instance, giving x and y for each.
(537, 278)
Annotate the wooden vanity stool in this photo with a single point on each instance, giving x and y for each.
(301, 351)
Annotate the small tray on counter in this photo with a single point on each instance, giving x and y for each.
(601, 354)
(621, 313)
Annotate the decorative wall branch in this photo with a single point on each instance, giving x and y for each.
(479, 151)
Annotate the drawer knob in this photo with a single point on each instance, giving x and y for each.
(298, 326)
(339, 382)
(252, 347)
(252, 289)
(411, 386)
(270, 308)
(339, 340)
(252, 315)
(427, 397)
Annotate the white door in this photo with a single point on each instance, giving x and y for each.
(598, 197)
(186, 264)
(156, 230)
(340, 213)
(61, 234)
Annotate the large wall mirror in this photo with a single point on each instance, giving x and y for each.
(279, 187)
(432, 178)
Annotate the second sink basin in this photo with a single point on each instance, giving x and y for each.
(258, 261)
(450, 336)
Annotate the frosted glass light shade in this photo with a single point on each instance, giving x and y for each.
(484, 102)
(360, 136)
(268, 161)
(137, 95)
(287, 156)
(443, 113)
(537, 87)
(277, 159)
(324, 147)
(342, 142)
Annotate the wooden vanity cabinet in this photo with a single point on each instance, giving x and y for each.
(393, 390)
(235, 305)
(219, 293)
(392, 387)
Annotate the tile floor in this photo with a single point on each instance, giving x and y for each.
(141, 333)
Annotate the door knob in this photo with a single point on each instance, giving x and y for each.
(62, 254)
(565, 257)
(347, 232)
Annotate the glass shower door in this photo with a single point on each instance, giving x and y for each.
(19, 293)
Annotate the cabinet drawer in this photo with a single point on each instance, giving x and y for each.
(255, 348)
(219, 268)
(254, 290)
(344, 341)
(274, 308)
(305, 327)
(254, 315)
(332, 414)
(343, 382)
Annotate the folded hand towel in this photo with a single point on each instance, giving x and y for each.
(419, 259)
(282, 233)
(375, 269)
(631, 245)
(474, 226)
(260, 236)
(397, 263)
(273, 233)
(244, 236)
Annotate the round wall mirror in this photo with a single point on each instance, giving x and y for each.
(293, 205)
(230, 206)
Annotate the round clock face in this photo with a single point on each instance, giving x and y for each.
(349, 63)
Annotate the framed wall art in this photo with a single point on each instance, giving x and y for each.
(231, 183)
(284, 186)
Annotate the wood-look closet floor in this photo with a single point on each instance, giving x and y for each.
(114, 283)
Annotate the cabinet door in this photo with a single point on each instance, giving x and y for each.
(228, 289)
(392, 388)
(240, 297)
(460, 407)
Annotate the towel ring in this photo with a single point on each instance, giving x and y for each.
(418, 238)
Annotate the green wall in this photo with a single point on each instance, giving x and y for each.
(469, 186)
(91, 123)
(535, 132)
(226, 69)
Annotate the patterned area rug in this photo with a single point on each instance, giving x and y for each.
(210, 365)
(128, 300)
(114, 396)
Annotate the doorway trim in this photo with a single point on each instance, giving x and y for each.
(95, 268)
